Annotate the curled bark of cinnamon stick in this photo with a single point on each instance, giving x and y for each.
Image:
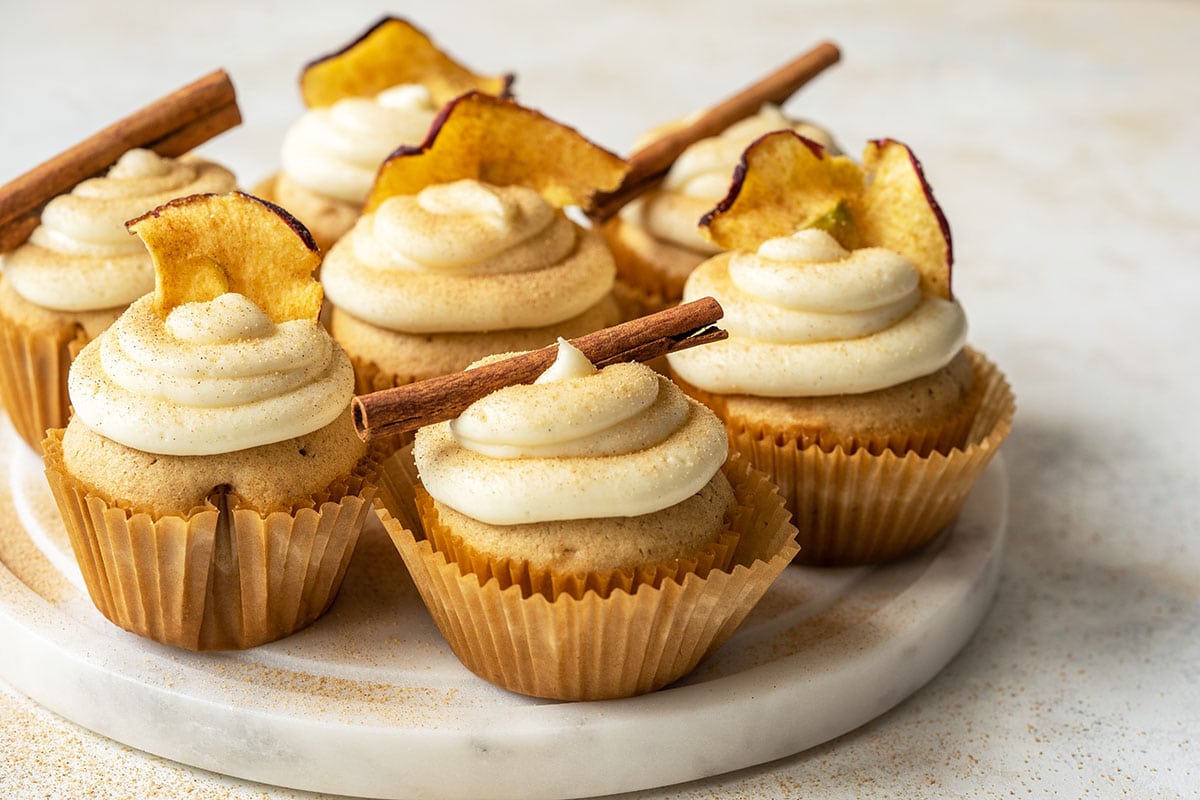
(170, 126)
(406, 408)
(650, 164)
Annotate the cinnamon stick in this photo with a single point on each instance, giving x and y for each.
(406, 408)
(170, 126)
(650, 164)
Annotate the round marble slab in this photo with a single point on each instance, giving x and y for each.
(369, 701)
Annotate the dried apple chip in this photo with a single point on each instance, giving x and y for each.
(785, 183)
(207, 244)
(497, 141)
(900, 213)
(388, 54)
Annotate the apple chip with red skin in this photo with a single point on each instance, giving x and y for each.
(495, 140)
(899, 212)
(785, 183)
(390, 53)
(205, 245)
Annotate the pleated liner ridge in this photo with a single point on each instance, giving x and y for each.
(217, 577)
(861, 507)
(592, 647)
(33, 376)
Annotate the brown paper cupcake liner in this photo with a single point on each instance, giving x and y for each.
(214, 577)
(864, 507)
(33, 376)
(592, 647)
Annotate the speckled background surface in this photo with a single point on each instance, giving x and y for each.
(1060, 139)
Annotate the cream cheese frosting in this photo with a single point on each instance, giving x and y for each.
(579, 443)
(701, 177)
(336, 150)
(81, 257)
(211, 377)
(808, 318)
(466, 256)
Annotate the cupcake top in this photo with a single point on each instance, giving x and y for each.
(466, 256)
(227, 353)
(836, 278)
(579, 443)
(467, 232)
(700, 177)
(81, 258)
(807, 317)
(210, 377)
(336, 150)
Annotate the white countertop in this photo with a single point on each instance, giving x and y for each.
(1061, 140)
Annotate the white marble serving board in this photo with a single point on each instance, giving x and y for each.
(370, 702)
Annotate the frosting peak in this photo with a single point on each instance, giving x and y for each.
(229, 317)
(569, 362)
(460, 226)
(138, 163)
(804, 245)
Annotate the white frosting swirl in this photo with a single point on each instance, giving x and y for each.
(621, 441)
(212, 377)
(81, 257)
(807, 318)
(701, 177)
(337, 150)
(466, 256)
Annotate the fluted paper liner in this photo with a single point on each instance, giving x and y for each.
(593, 647)
(33, 376)
(861, 507)
(212, 578)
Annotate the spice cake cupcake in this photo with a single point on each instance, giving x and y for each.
(76, 273)
(211, 480)
(378, 93)
(585, 536)
(655, 239)
(845, 375)
(463, 248)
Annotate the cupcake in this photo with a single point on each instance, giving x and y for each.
(76, 273)
(464, 249)
(846, 375)
(655, 239)
(379, 93)
(585, 536)
(211, 481)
